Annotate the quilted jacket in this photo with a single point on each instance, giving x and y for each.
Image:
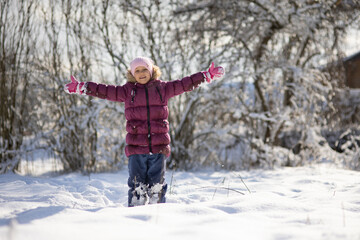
(146, 110)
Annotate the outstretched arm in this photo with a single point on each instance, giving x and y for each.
(189, 83)
(109, 92)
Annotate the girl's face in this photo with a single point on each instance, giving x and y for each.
(142, 75)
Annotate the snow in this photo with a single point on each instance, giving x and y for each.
(311, 202)
(352, 41)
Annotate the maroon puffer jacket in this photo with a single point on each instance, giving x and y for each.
(146, 110)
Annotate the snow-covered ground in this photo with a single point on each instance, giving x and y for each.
(313, 202)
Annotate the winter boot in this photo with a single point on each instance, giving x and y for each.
(157, 193)
(138, 196)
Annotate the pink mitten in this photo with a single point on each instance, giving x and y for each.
(214, 73)
(75, 87)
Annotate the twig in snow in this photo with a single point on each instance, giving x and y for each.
(225, 188)
(343, 210)
(171, 182)
(238, 175)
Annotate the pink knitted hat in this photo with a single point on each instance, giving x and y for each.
(142, 61)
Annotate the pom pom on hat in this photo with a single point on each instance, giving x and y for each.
(142, 61)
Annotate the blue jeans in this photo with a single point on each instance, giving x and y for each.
(146, 179)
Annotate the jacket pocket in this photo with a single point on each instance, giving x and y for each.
(133, 94)
(158, 91)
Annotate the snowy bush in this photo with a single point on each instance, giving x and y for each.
(278, 47)
(18, 104)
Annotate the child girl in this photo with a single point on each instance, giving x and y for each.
(146, 111)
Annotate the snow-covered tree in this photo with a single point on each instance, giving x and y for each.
(17, 52)
(279, 48)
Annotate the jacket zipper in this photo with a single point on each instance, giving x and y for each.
(148, 118)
